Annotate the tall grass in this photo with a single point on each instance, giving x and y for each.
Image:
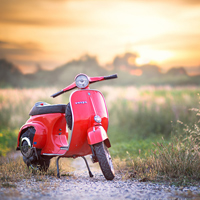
(181, 157)
(134, 112)
(139, 117)
(151, 111)
(176, 160)
(15, 105)
(13, 170)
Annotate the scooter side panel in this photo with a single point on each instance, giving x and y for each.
(85, 104)
(57, 135)
(50, 133)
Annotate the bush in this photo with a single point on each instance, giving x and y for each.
(177, 161)
(154, 113)
(8, 141)
(181, 157)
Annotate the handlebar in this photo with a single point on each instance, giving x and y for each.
(57, 93)
(110, 77)
(91, 80)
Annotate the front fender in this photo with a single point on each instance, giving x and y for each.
(97, 134)
(40, 135)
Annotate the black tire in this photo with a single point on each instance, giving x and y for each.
(105, 160)
(68, 116)
(32, 157)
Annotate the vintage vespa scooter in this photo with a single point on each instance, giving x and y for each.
(45, 134)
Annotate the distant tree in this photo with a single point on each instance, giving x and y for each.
(10, 75)
(127, 61)
(178, 71)
(125, 65)
(150, 70)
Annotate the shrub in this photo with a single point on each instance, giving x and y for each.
(181, 157)
(178, 159)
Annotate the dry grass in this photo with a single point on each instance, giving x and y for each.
(177, 161)
(179, 158)
(13, 170)
(15, 176)
(142, 169)
(64, 168)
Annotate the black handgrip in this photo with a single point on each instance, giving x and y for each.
(57, 93)
(110, 77)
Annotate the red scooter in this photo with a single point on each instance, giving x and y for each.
(45, 134)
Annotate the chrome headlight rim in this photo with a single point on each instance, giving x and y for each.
(82, 81)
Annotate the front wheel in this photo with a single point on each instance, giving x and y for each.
(105, 160)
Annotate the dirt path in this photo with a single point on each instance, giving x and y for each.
(81, 187)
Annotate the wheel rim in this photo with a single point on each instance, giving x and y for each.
(26, 147)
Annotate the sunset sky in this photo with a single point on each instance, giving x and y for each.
(52, 32)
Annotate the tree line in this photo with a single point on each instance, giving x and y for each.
(125, 66)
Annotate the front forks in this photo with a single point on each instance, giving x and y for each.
(93, 156)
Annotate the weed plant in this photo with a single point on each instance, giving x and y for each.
(177, 161)
(14, 174)
(15, 105)
(13, 170)
(151, 113)
(181, 157)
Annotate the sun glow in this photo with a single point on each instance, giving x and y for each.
(142, 61)
(158, 31)
(153, 56)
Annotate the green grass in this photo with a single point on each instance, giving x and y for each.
(176, 161)
(15, 105)
(7, 141)
(135, 147)
(139, 118)
(149, 114)
(157, 139)
(13, 169)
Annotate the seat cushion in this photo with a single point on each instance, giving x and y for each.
(44, 108)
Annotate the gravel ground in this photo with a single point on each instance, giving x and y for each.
(81, 187)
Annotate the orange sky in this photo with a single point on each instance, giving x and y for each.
(52, 32)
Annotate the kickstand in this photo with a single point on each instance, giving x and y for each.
(90, 173)
(58, 173)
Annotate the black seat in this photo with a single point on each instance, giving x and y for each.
(44, 108)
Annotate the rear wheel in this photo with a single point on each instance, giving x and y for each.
(41, 165)
(105, 160)
(31, 156)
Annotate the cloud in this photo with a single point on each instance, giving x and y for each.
(182, 2)
(173, 41)
(9, 49)
(188, 2)
(37, 22)
(68, 13)
(35, 13)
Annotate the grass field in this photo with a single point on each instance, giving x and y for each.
(153, 130)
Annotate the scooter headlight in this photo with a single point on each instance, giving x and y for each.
(82, 81)
(97, 118)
